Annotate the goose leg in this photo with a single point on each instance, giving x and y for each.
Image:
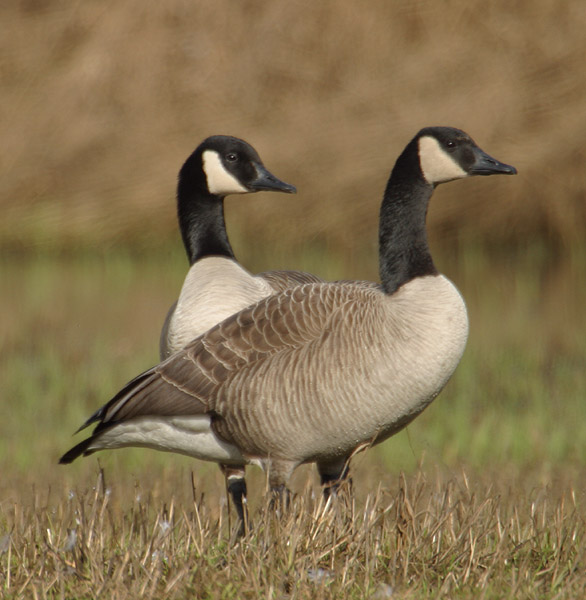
(333, 475)
(279, 473)
(236, 486)
(281, 497)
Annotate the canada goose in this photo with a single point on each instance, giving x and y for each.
(316, 371)
(216, 286)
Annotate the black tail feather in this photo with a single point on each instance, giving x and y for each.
(79, 450)
(97, 416)
(105, 417)
(100, 413)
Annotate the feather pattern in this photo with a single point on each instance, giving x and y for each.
(324, 350)
(216, 288)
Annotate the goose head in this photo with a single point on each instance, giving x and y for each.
(434, 156)
(219, 166)
(223, 165)
(446, 154)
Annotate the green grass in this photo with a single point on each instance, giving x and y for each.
(77, 328)
(506, 441)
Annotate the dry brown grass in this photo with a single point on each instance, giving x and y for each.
(103, 100)
(423, 536)
(74, 331)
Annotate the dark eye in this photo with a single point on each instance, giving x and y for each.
(232, 157)
(451, 144)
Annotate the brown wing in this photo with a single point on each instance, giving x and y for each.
(281, 322)
(368, 285)
(187, 383)
(148, 394)
(283, 280)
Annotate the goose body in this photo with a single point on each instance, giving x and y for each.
(283, 421)
(318, 370)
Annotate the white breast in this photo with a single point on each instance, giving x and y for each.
(214, 289)
(414, 353)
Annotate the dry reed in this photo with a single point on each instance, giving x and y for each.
(102, 101)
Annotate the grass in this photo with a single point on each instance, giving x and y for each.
(482, 496)
(81, 327)
(423, 536)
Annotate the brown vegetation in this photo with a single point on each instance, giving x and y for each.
(102, 101)
(422, 537)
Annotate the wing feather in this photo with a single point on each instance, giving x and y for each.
(190, 382)
(283, 280)
(284, 322)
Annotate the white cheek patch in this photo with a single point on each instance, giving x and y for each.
(220, 182)
(437, 165)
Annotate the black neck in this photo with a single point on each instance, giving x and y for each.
(202, 225)
(403, 249)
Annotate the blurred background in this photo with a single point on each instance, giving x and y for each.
(102, 101)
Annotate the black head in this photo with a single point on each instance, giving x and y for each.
(225, 165)
(446, 153)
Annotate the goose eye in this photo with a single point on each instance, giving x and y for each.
(451, 144)
(231, 157)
